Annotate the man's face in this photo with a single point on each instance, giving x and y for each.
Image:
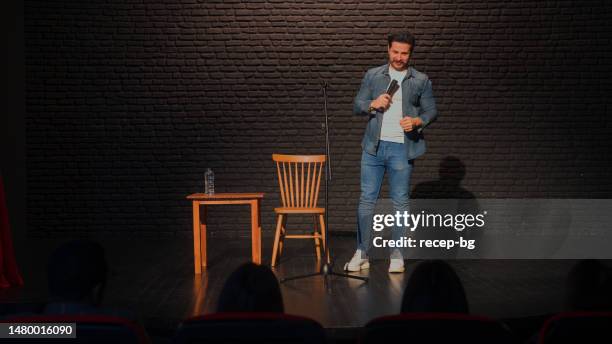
(399, 54)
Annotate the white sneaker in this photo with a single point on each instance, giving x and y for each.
(396, 265)
(357, 263)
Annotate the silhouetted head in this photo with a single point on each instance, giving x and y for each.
(434, 287)
(589, 287)
(76, 272)
(451, 170)
(251, 288)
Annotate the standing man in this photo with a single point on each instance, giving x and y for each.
(393, 139)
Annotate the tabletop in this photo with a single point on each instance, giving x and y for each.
(220, 196)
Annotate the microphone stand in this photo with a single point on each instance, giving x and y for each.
(327, 267)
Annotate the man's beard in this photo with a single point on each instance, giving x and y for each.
(399, 65)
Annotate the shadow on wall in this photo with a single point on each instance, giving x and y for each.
(450, 174)
(445, 196)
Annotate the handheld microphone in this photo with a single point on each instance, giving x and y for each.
(393, 87)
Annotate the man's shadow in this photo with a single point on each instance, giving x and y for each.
(450, 174)
(445, 196)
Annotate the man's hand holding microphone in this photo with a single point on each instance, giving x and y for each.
(383, 102)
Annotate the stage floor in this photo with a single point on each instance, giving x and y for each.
(154, 279)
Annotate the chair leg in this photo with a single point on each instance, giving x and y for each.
(281, 241)
(279, 222)
(323, 234)
(316, 238)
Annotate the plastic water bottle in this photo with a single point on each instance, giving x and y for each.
(209, 182)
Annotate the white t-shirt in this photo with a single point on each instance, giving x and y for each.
(391, 129)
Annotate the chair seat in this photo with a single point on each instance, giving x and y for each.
(297, 210)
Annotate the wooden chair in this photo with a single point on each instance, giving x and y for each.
(299, 179)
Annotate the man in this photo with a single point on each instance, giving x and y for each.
(393, 139)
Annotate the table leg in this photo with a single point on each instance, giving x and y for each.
(259, 229)
(255, 232)
(203, 235)
(197, 262)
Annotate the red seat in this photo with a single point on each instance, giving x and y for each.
(577, 327)
(250, 328)
(435, 328)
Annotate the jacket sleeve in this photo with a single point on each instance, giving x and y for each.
(363, 99)
(428, 111)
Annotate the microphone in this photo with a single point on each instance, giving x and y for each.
(393, 87)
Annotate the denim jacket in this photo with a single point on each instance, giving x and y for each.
(417, 101)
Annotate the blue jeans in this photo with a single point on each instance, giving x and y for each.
(392, 158)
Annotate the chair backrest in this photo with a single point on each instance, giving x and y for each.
(577, 327)
(89, 329)
(299, 179)
(249, 328)
(435, 328)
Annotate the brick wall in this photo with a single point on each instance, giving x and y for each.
(128, 102)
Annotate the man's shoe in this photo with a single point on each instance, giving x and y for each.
(396, 265)
(357, 263)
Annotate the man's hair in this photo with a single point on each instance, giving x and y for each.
(402, 37)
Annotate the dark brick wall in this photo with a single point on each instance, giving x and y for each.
(128, 102)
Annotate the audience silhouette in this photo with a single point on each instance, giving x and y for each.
(589, 287)
(251, 288)
(77, 274)
(434, 287)
(76, 277)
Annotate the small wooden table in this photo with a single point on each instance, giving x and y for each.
(199, 222)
